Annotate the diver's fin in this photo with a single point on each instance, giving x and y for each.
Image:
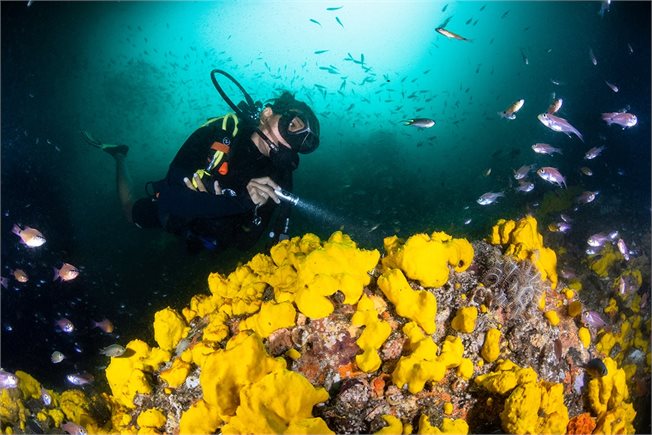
(90, 139)
(114, 150)
(107, 148)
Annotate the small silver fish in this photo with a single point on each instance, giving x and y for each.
(46, 397)
(622, 247)
(555, 123)
(612, 86)
(522, 172)
(57, 357)
(586, 197)
(80, 378)
(552, 175)
(544, 148)
(114, 350)
(419, 122)
(594, 152)
(594, 61)
(586, 171)
(374, 228)
(525, 186)
(489, 198)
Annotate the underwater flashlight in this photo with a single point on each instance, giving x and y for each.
(286, 196)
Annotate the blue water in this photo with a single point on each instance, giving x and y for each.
(138, 73)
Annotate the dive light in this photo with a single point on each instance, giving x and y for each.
(287, 196)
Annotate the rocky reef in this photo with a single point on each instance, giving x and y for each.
(437, 335)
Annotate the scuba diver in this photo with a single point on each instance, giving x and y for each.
(218, 187)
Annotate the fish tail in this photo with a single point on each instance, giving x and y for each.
(56, 273)
(16, 230)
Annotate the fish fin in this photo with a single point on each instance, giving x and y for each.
(56, 273)
(16, 230)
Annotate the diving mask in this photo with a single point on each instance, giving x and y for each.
(295, 129)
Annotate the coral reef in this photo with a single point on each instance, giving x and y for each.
(438, 336)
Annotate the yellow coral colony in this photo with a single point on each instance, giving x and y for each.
(608, 398)
(308, 272)
(169, 328)
(491, 347)
(426, 258)
(464, 320)
(126, 375)
(420, 306)
(522, 240)
(532, 406)
(374, 335)
(422, 364)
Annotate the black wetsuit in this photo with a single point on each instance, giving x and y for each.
(205, 218)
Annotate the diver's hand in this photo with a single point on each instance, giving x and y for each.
(261, 189)
(200, 184)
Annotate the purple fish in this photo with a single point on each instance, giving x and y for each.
(552, 175)
(593, 319)
(627, 284)
(8, 380)
(561, 227)
(65, 325)
(74, 428)
(578, 383)
(544, 148)
(623, 119)
(558, 124)
(599, 239)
